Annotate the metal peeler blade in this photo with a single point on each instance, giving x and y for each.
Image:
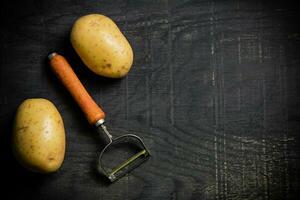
(129, 164)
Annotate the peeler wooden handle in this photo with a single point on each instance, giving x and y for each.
(66, 75)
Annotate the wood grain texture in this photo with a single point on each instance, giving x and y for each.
(214, 92)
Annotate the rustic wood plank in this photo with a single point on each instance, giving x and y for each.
(214, 92)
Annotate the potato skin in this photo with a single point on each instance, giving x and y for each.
(101, 46)
(38, 136)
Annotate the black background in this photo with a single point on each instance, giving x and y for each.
(213, 92)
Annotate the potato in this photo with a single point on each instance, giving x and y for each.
(39, 136)
(101, 46)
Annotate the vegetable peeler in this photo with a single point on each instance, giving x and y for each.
(95, 117)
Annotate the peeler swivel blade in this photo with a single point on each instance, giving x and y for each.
(126, 166)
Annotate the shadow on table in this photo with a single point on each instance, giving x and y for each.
(15, 179)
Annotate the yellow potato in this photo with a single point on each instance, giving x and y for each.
(101, 46)
(39, 136)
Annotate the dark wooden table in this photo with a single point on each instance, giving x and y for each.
(214, 92)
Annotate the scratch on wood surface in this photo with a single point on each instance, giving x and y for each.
(221, 114)
(213, 79)
(243, 167)
(216, 167)
(256, 172)
(265, 176)
(239, 90)
(283, 88)
(260, 52)
(265, 171)
(286, 167)
(213, 65)
(239, 60)
(239, 50)
(171, 75)
(216, 100)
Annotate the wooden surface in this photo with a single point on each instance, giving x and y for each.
(214, 92)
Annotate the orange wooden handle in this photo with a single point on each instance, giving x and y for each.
(65, 73)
